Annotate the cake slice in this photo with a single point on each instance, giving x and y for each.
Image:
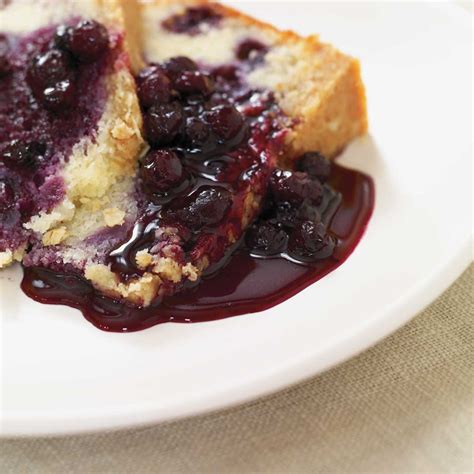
(225, 100)
(70, 128)
(314, 84)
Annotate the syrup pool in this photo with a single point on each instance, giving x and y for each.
(243, 284)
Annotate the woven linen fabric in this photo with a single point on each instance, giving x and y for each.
(404, 406)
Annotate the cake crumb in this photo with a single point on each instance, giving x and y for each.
(113, 216)
(168, 269)
(54, 236)
(143, 259)
(121, 131)
(6, 258)
(191, 272)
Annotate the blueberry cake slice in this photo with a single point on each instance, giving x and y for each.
(313, 83)
(70, 129)
(226, 100)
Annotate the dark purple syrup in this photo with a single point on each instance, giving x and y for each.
(245, 284)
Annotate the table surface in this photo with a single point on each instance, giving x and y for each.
(404, 406)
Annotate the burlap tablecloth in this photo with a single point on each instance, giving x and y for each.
(404, 406)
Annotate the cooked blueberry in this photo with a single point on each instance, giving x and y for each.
(62, 37)
(250, 48)
(225, 120)
(227, 72)
(190, 21)
(315, 164)
(294, 187)
(22, 154)
(5, 66)
(59, 97)
(311, 241)
(289, 216)
(7, 195)
(48, 69)
(87, 41)
(285, 214)
(194, 82)
(207, 208)
(308, 212)
(163, 123)
(161, 170)
(197, 130)
(177, 65)
(154, 88)
(266, 238)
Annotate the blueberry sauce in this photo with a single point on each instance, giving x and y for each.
(246, 284)
(210, 190)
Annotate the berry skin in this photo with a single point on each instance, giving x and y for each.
(197, 130)
(294, 187)
(190, 21)
(23, 155)
(266, 239)
(177, 65)
(310, 241)
(315, 164)
(207, 208)
(5, 66)
(161, 170)
(163, 123)
(154, 87)
(225, 120)
(87, 41)
(194, 82)
(59, 97)
(47, 69)
(227, 72)
(250, 48)
(7, 195)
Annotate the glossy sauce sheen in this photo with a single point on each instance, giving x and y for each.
(245, 285)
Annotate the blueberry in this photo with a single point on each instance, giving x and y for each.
(179, 64)
(23, 154)
(59, 97)
(7, 195)
(154, 87)
(310, 241)
(87, 41)
(315, 164)
(163, 123)
(5, 66)
(308, 212)
(266, 238)
(194, 82)
(47, 69)
(161, 170)
(197, 130)
(207, 208)
(225, 120)
(62, 37)
(294, 187)
(189, 21)
(250, 48)
(226, 71)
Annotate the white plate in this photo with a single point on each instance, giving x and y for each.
(61, 375)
